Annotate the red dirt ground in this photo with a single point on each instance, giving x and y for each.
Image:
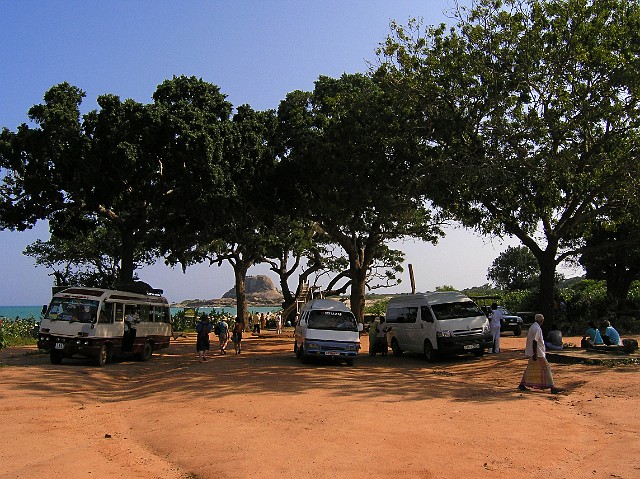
(262, 414)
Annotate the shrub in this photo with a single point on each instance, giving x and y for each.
(18, 332)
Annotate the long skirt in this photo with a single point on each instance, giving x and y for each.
(538, 374)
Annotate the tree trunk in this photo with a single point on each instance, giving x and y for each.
(240, 269)
(126, 257)
(547, 287)
(357, 297)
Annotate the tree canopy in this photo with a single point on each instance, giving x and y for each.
(529, 116)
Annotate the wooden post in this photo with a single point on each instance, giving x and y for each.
(413, 281)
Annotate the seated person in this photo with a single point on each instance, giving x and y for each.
(592, 335)
(610, 336)
(554, 339)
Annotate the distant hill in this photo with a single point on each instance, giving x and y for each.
(260, 291)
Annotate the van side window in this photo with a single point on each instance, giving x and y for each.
(106, 313)
(411, 315)
(425, 314)
(392, 315)
(119, 312)
(143, 312)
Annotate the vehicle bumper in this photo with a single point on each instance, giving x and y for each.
(466, 344)
(334, 349)
(69, 346)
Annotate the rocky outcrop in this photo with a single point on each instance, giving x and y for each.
(259, 290)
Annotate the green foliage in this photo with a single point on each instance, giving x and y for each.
(521, 300)
(528, 112)
(379, 308)
(515, 268)
(445, 287)
(183, 323)
(18, 332)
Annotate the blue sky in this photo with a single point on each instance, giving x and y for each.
(255, 51)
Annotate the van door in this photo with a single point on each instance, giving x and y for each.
(413, 329)
(428, 326)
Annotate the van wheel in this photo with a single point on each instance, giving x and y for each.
(103, 356)
(300, 353)
(295, 348)
(479, 353)
(147, 352)
(55, 357)
(395, 347)
(429, 353)
(517, 331)
(350, 362)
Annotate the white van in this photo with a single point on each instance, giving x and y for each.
(100, 323)
(327, 328)
(438, 323)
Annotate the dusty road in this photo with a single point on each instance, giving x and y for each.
(264, 415)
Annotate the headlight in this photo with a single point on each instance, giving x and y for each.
(444, 334)
(486, 328)
(309, 346)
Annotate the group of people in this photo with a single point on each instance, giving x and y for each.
(259, 322)
(605, 335)
(220, 329)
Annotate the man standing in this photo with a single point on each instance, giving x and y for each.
(494, 323)
(538, 373)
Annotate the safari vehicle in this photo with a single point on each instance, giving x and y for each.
(436, 324)
(327, 328)
(509, 322)
(100, 323)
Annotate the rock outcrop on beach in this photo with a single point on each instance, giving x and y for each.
(260, 291)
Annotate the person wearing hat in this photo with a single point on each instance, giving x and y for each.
(203, 328)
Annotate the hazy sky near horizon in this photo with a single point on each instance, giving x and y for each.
(256, 51)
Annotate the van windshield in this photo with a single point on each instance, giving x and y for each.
(333, 320)
(462, 309)
(71, 309)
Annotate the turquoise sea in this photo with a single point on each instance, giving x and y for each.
(26, 312)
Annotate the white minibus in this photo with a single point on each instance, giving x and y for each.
(100, 323)
(327, 328)
(435, 324)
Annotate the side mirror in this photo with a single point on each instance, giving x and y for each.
(44, 310)
(360, 327)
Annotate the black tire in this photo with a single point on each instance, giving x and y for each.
(429, 353)
(147, 352)
(350, 362)
(300, 353)
(55, 357)
(479, 353)
(295, 348)
(517, 331)
(395, 347)
(103, 356)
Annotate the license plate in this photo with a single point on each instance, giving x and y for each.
(332, 353)
(471, 346)
(59, 345)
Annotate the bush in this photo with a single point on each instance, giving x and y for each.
(18, 332)
(188, 324)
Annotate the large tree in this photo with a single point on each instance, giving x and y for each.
(135, 167)
(348, 173)
(529, 115)
(227, 222)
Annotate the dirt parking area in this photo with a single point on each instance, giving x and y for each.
(262, 414)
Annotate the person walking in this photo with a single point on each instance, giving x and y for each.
(278, 324)
(538, 373)
(236, 336)
(203, 328)
(494, 324)
(222, 330)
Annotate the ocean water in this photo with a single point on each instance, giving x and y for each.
(26, 312)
